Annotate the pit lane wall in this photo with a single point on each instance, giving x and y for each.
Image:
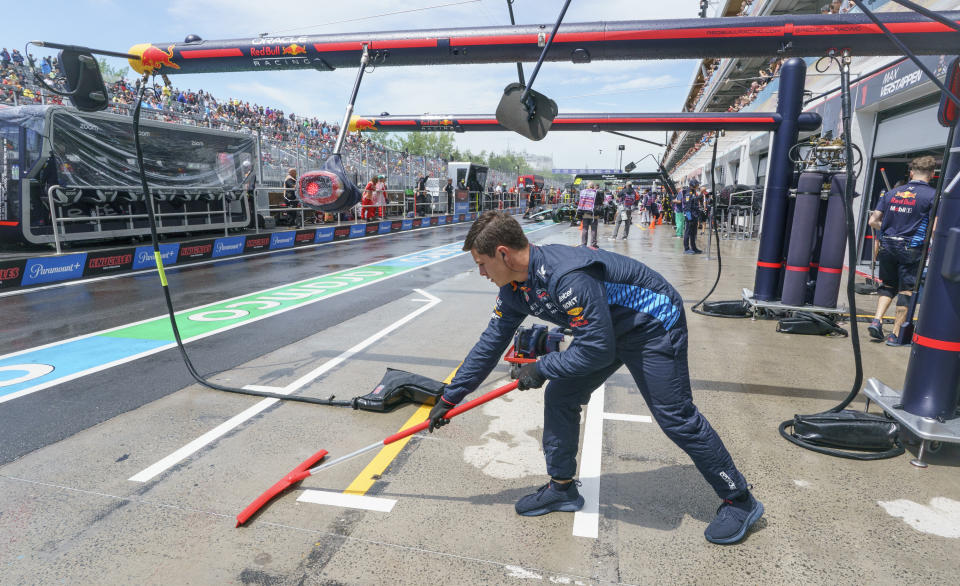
(44, 270)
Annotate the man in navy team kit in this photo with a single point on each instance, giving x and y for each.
(621, 313)
(901, 219)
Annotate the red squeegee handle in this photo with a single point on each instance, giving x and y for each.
(454, 412)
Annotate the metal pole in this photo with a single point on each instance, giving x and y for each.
(364, 60)
(53, 216)
(546, 49)
(932, 384)
(259, 180)
(769, 259)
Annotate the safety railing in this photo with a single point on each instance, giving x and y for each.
(98, 197)
(399, 204)
(738, 221)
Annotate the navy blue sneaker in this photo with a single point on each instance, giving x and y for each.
(892, 340)
(876, 329)
(733, 520)
(548, 499)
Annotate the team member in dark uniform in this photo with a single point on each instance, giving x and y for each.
(691, 205)
(901, 219)
(448, 189)
(621, 313)
(291, 218)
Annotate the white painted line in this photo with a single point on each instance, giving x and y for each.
(586, 521)
(333, 363)
(941, 517)
(628, 417)
(215, 433)
(264, 389)
(187, 450)
(350, 501)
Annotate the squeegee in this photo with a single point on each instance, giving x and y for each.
(308, 468)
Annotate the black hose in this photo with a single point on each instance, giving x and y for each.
(848, 194)
(166, 289)
(716, 232)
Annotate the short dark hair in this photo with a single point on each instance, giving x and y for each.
(493, 229)
(924, 165)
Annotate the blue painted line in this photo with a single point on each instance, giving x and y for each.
(72, 357)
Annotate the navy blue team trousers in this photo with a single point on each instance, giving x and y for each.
(658, 365)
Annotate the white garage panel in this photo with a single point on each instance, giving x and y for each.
(912, 131)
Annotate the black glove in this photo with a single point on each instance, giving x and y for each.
(530, 377)
(436, 414)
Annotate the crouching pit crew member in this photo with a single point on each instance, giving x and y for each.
(621, 313)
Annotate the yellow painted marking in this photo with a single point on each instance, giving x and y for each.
(362, 483)
(159, 260)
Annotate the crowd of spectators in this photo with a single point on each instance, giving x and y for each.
(833, 7)
(286, 137)
(17, 84)
(764, 76)
(837, 7)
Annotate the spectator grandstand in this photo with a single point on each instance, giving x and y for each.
(287, 140)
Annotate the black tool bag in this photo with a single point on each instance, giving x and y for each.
(847, 429)
(811, 324)
(397, 388)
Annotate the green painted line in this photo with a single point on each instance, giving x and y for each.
(206, 319)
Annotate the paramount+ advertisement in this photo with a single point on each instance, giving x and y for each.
(52, 269)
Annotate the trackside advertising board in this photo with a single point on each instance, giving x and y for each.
(67, 267)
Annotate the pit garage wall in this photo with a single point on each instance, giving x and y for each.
(895, 87)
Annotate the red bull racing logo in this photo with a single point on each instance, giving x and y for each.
(151, 59)
(361, 124)
(294, 50)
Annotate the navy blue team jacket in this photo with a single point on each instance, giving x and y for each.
(599, 295)
(906, 211)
